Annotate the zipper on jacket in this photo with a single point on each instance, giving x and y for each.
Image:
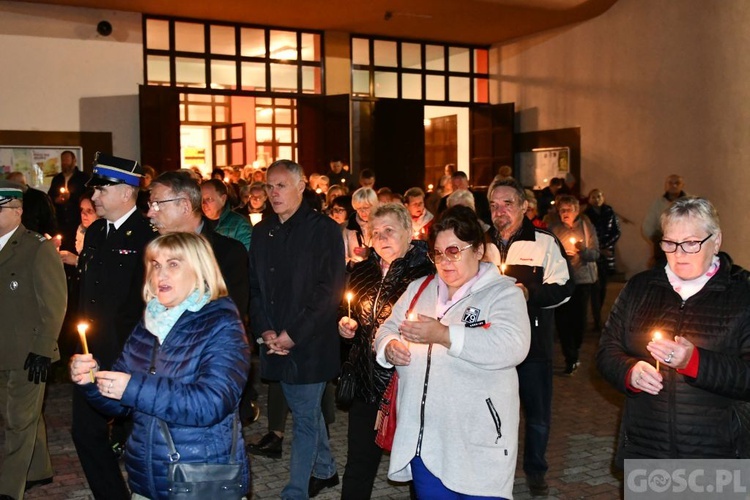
(424, 400)
(495, 418)
(672, 374)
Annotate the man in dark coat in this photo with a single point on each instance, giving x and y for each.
(65, 191)
(33, 297)
(297, 277)
(112, 270)
(38, 212)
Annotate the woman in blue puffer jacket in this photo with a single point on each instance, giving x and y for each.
(185, 363)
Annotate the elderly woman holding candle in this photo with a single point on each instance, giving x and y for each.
(458, 404)
(357, 234)
(374, 286)
(699, 303)
(185, 364)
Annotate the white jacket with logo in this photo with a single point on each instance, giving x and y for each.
(469, 438)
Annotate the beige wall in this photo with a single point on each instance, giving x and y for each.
(657, 86)
(60, 75)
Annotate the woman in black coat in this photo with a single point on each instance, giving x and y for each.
(691, 319)
(375, 284)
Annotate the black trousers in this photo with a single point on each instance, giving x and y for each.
(363, 455)
(91, 438)
(571, 319)
(535, 391)
(599, 292)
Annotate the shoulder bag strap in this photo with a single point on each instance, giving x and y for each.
(419, 292)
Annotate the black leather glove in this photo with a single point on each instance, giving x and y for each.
(38, 367)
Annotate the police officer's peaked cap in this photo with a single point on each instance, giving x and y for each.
(110, 170)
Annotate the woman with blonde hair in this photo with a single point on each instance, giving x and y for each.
(357, 235)
(185, 364)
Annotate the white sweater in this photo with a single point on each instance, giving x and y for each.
(460, 443)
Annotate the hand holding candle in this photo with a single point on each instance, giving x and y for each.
(82, 327)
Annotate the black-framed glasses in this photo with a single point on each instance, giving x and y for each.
(687, 246)
(451, 254)
(155, 205)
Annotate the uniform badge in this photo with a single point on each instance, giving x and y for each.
(471, 315)
(13, 286)
(128, 233)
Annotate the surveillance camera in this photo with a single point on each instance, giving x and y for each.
(104, 28)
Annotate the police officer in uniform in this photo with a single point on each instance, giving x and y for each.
(33, 298)
(112, 270)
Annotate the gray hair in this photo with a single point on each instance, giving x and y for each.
(461, 197)
(363, 196)
(693, 206)
(398, 210)
(181, 183)
(511, 183)
(290, 166)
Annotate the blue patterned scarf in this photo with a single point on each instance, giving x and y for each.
(159, 320)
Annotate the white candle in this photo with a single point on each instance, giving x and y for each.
(656, 336)
(349, 297)
(82, 327)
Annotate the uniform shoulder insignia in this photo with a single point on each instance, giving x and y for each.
(38, 236)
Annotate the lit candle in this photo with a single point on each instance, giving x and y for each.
(62, 190)
(82, 327)
(572, 240)
(502, 269)
(412, 317)
(255, 218)
(349, 297)
(318, 190)
(226, 180)
(656, 336)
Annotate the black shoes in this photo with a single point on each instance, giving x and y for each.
(268, 446)
(38, 482)
(537, 485)
(570, 368)
(317, 484)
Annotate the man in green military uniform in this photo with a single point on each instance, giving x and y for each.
(33, 298)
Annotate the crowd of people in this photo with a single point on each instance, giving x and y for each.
(159, 287)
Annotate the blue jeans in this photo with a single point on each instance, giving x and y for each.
(428, 487)
(535, 391)
(311, 454)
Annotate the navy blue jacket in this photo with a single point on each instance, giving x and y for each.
(200, 372)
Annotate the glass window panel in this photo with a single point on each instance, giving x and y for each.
(434, 57)
(253, 76)
(158, 69)
(458, 59)
(310, 47)
(222, 40)
(188, 37)
(283, 78)
(284, 135)
(385, 53)
(197, 113)
(221, 155)
(283, 116)
(411, 56)
(264, 115)
(221, 114)
(481, 90)
(285, 153)
(283, 102)
(266, 101)
(157, 34)
(411, 86)
(459, 89)
(220, 134)
(223, 74)
(360, 82)
(283, 45)
(435, 88)
(481, 61)
(360, 51)
(263, 134)
(311, 80)
(190, 71)
(182, 113)
(238, 150)
(252, 42)
(219, 98)
(386, 84)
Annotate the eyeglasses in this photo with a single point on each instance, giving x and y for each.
(338, 210)
(155, 205)
(451, 254)
(687, 246)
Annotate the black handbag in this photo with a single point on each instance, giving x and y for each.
(202, 480)
(346, 385)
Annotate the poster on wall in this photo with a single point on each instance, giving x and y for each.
(39, 164)
(538, 166)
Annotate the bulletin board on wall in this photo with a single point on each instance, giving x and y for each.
(537, 167)
(38, 164)
(84, 144)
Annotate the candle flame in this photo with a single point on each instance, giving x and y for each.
(349, 296)
(62, 190)
(502, 268)
(412, 317)
(656, 335)
(572, 240)
(82, 327)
